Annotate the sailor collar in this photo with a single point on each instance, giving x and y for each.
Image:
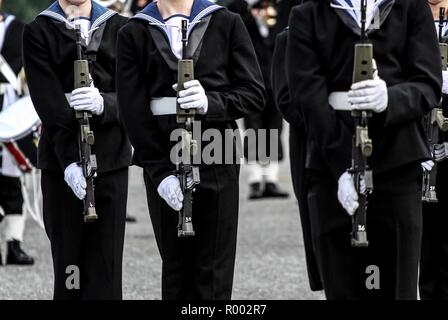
(349, 14)
(445, 27)
(200, 10)
(98, 16)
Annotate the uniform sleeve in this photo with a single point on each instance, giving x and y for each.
(410, 100)
(110, 113)
(49, 99)
(309, 92)
(279, 82)
(133, 100)
(245, 95)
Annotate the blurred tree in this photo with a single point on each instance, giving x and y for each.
(25, 9)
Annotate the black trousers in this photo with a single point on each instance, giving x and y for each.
(433, 281)
(96, 249)
(200, 267)
(269, 118)
(394, 229)
(11, 197)
(297, 154)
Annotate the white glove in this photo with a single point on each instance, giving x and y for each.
(87, 99)
(193, 97)
(170, 191)
(445, 82)
(74, 177)
(347, 195)
(440, 152)
(369, 95)
(428, 165)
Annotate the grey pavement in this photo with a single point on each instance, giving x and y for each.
(270, 256)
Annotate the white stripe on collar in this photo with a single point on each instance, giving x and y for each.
(355, 12)
(206, 12)
(103, 18)
(345, 6)
(162, 25)
(99, 21)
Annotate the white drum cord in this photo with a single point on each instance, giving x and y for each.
(32, 196)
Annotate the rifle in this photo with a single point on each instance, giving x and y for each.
(362, 145)
(86, 138)
(187, 174)
(434, 123)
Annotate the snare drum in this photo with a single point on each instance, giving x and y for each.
(19, 133)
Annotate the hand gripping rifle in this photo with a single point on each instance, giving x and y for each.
(86, 138)
(187, 173)
(434, 123)
(362, 144)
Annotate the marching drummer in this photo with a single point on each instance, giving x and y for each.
(11, 198)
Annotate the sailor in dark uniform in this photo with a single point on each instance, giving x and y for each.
(90, 251)
(407, 85)
(433, 281)
(228, 86)
(297, 152)
(260, 20)
(11, 198)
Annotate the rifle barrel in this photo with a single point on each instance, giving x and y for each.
(184, 38)
(441, 21)
(363, 20)
(78, 42)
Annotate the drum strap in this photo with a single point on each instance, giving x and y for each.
(8, 73)
(5, 68)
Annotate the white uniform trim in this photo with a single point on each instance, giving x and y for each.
(103, 18)
(58, 17)
(99, 21)
(174, 27)
(191, 25)
(354, 10)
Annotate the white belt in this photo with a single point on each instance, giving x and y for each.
(163, 106)
(159, 106)
(3, 88)
(338, 100)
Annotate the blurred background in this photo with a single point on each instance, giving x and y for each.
(25, 10)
